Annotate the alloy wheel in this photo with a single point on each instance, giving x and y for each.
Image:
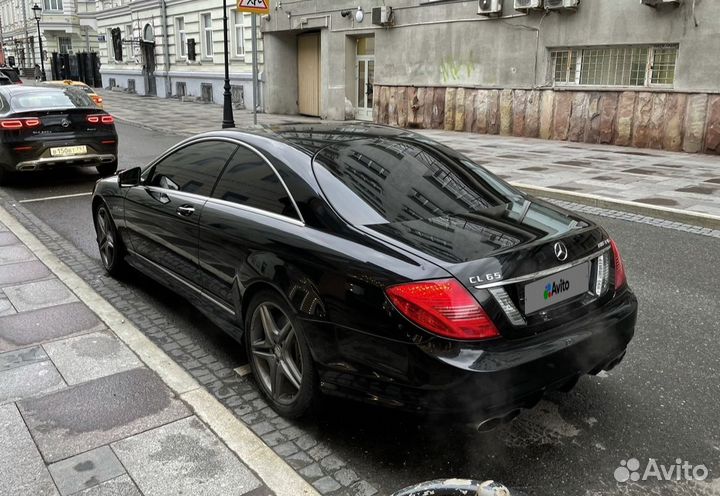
(276, 353)
(105, 237)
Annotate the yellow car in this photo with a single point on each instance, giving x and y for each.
(87, 89)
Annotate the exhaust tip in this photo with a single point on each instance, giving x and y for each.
(495, 422)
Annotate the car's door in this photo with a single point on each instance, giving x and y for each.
(247, 227)
(162, 213)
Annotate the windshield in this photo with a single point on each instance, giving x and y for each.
(51, 99)
(383, 180)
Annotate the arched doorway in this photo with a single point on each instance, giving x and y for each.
(147, 46)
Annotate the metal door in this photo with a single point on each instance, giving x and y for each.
(309, 74)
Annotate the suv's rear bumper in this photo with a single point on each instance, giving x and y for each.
(76, 161)
(477, 382)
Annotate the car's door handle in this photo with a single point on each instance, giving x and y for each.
(185, 210)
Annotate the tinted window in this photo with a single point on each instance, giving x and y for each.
(248, 180)
(193, 169)
(381, 180)
(50, 99)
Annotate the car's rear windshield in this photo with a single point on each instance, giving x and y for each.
(386, 180)
(50, 99)
(10, 73)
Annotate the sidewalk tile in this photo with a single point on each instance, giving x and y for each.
(11, 275)
(99, 412)
(15, 254)
(38, 326)
(30, 380)
(8, 239)
(36, 295)
(20, 358)
(120, 486)
(23, 470)
(184, 457)
(86, 470)
(6, 307)
(91, 356)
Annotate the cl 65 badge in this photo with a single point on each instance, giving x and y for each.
(495, 276)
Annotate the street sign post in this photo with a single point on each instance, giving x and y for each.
(254, 7)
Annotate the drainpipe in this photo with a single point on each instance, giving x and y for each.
(166, 49)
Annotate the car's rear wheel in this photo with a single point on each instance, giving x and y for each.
(112, 252)
(279, 355)
(106, 170)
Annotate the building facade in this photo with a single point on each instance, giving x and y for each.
(66, 26)
(599, 71)
(174, 48)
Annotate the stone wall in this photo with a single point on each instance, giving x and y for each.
(687, 122)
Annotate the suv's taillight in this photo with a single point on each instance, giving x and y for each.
(100, 119)
(17, 124)
(443, 307)
(620, 278)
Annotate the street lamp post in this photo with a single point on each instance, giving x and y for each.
(37, 11)
(228, 120)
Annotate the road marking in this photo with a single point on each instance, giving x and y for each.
(249, 448)
(60, 197)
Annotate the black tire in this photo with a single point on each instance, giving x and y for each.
(107, 170)
(5, 176)
(112, 250)
(283, 364)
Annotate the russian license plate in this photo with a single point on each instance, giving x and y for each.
(68, 151)
(557, 288)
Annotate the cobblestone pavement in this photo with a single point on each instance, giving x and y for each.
(80, 413)
(689, 182)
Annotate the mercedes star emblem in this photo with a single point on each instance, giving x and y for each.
(561, 251)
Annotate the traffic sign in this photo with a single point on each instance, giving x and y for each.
(254, 6)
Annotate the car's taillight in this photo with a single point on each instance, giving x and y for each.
(97, 99)
(620, 278)
(100, 119)
(15, 124)
(443, 307)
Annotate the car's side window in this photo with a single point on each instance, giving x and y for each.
(194, 168)
(248, 180)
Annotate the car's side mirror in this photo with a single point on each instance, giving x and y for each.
(130, 177)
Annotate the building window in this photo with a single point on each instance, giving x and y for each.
(181, 38)
(632, 66)
(129, 32)
(208, 50)
(53, 4)
(239, 33)
(64, 44)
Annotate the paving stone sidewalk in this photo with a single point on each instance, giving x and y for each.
(80, 414)
(689, 182)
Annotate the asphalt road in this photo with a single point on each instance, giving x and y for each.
(662, 402)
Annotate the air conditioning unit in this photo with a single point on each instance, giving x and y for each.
(527, 5)
(562, 4)
(490, 7)
(656, 3)
(382, 16)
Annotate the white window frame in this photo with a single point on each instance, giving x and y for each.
(208, 48)
(577, 54)
(129, 33)
(53, 5)
(68, 45)
(241, 38)
(180, 38)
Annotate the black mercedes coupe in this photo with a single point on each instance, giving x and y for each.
(45, 128)
(375, 264)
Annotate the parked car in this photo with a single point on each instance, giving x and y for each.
(4, 80)
(11, 74)
(375, 264)
(43, 127)
(80, 85)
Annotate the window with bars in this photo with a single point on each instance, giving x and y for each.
(632, 66)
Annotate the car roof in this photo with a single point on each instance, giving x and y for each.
(310, 138)
(19, 88)
(65, 82)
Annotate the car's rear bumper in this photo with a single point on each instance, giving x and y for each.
(74, 161)
(474, 382)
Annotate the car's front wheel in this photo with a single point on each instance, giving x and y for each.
(279, 355)
(106, 170)
(109, 243)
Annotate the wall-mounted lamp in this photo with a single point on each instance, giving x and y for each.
(359, 15)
